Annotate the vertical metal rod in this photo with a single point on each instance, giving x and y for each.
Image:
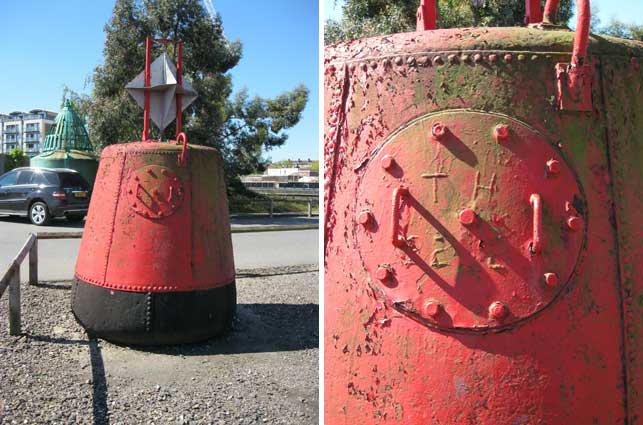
(551, 6)
(148, 82)
(533, 12)
(33, 263)
(537, 226)
(310, 208)
(583, 17)
(272, 207)
(179, 80)
(426, 15)
(15, 327)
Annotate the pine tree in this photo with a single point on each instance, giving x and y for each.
(239, 127)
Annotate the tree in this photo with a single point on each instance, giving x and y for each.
(239, 127)
(14, 159)
(620, 29)
(364, 18)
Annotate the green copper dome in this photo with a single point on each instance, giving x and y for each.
(67, 146)
(68, 132)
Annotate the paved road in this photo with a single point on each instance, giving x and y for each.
(251, 250)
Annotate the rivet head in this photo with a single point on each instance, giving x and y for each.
(364, 217)
(553, 166)
(363, 66)
(521, 57)
(386, 63)
(387, 162)
(164, 171)
(424, 61)
(574, 223)
(465, 58)
(477, 58)
(551, 280)
(410, 61)
(438, 60)
(498, 311)
(399, 61)
(508, 57)
(493, 57)
(432, 309)
(501, 132)
(452, 58)
(438, 131)
(382, 273)
(467, 216)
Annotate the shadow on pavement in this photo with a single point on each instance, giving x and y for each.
(275, 221)
(258, 328)
(249, 274)
(100, 408)
(99, 384)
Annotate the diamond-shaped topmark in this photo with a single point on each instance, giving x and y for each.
(163, 90)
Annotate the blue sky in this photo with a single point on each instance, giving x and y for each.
(50, 43)
(630, 11)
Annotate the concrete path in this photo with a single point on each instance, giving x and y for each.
(251, 250)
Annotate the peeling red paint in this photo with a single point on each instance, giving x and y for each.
(154, 225)
(433, 343)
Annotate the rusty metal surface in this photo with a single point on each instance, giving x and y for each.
(622, 81)
(154, 225)
(558, 356)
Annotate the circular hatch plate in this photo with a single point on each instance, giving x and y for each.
(469, 221)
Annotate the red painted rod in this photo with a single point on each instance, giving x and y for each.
(179, 80)
(396, 240)
(183, 156)
(582, 32)
(533, 12)
(581, 37)
(426, 15)
(551, 6)
(536, 242)
(148, 83)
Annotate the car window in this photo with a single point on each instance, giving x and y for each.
(9, 179)
(24, 176)
(72, 180)
(43, 178)
(52, 178)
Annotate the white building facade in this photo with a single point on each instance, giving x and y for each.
(25, 130)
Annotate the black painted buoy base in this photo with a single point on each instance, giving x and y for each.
(153, 318)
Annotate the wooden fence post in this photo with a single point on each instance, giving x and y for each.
(15, 327)
(33, 263)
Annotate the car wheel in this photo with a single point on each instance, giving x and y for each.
(75, 217)
(39, 214)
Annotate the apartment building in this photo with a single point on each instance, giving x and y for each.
(25, 130)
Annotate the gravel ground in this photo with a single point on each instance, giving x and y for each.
(264, 371)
